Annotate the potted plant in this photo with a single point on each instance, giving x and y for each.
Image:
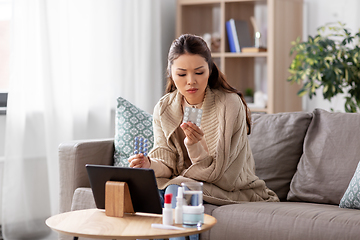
(249, 95)
(331, 61)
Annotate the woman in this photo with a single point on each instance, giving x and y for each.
(217, 153)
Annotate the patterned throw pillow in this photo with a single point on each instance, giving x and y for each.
(130, 122)
(351, 198)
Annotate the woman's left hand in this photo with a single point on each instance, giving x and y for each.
(192, 132)
(139, 161)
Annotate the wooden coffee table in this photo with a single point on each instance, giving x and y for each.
(93, 223)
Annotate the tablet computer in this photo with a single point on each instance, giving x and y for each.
(142, 186)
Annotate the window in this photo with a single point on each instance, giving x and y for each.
(5, 20)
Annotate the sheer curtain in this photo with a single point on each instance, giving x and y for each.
(71, 59)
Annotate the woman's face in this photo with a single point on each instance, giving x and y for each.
(190, 73)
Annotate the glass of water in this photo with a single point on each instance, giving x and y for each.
(193, 208)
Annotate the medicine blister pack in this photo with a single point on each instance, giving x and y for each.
(140, 145)
(193, 115)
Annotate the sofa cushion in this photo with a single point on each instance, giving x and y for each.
(331, 154)
(276, 141)
(285, 220)
(130, 122)
(351, 198)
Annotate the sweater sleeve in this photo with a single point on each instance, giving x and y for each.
(161, 150)
(160, 169)
(197, 151)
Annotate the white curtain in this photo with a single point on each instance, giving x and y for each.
(70, 60)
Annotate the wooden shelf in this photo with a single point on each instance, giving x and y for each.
(230, 54)
(246, 70)
(228, 1)
(238, 55)
(217, 55)
(191, 2)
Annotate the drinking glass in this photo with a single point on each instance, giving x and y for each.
(193, 208)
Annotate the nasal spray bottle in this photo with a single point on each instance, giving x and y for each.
(179, 208)
(167, 213)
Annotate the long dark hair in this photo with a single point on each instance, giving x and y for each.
(192, 44)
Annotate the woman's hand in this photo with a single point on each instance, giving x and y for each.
(192, 132)
(139, 161)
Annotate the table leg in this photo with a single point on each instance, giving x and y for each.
(76, 238)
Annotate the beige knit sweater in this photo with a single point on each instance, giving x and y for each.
(228, 171)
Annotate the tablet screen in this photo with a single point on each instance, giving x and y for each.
(142, 186)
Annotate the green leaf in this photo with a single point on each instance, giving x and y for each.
(339, 54)
(346, 75)
(302, 92)
(318, 76)
(326, 87)
(328, 58)
(317, 38)
(313, 89)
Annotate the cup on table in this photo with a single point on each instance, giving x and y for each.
(193, 208)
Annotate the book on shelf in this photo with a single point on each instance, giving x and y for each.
(238, 35)
(253, 49)
(243, 34)
(230, 34)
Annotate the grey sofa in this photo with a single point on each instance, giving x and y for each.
(307, 158)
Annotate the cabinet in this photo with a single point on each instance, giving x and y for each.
(280, 23)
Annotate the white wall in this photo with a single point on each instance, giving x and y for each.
(317, 13)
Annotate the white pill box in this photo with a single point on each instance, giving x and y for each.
(193, 115)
